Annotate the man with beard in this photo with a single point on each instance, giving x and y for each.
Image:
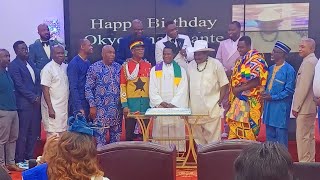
(77, 75)
(124, 52)
(40, 50)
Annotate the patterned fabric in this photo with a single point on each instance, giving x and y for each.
(176, 72)
(244, 115)
(103, 92)
(282, 46)
(135, 93)
(136, 44)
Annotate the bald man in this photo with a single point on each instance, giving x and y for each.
(304, 108)
(77, 74)
(124, 52)
(102, 91)
(55, 89)
(40, 50)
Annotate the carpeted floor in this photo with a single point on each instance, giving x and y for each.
(192, 174)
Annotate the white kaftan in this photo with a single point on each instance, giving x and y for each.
(55, 77)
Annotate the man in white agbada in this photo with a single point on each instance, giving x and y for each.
(169, 89)
(208, 86)
(55, 87)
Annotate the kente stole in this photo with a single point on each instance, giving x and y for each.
(176, 72)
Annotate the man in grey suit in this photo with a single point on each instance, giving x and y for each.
(304, 108)
(40, 50)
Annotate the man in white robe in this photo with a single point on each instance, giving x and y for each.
(208, 86)
(169, 89)
(55, 87)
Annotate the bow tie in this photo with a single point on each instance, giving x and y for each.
(45, 43)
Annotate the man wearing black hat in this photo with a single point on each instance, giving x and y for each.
(278, 95)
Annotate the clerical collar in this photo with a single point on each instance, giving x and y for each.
(168, 65)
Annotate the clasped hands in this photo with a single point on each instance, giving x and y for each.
(166, 105)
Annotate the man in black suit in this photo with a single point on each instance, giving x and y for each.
(26, 79)
(40, 50)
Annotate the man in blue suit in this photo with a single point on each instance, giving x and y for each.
(124, 52)
(26, 79)
(40, 50)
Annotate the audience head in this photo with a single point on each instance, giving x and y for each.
(21, 50)
(234, 30)
(4, 58)
(43, 31)
(58, 54)
(266, 161)
(137, 28)
(168, 55)
(85, 47)
(137, 49)
(307, 46)
(171, 29)
(76, 158)
(50, 149)
(108, 54)
(244, 45)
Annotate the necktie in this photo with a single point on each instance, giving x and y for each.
(173, 41)
(45, 43)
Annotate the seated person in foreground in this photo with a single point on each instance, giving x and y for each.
(266, 161)
(75, 158)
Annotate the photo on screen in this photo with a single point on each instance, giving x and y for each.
(267, 23)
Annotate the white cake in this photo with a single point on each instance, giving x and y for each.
(168, 112)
